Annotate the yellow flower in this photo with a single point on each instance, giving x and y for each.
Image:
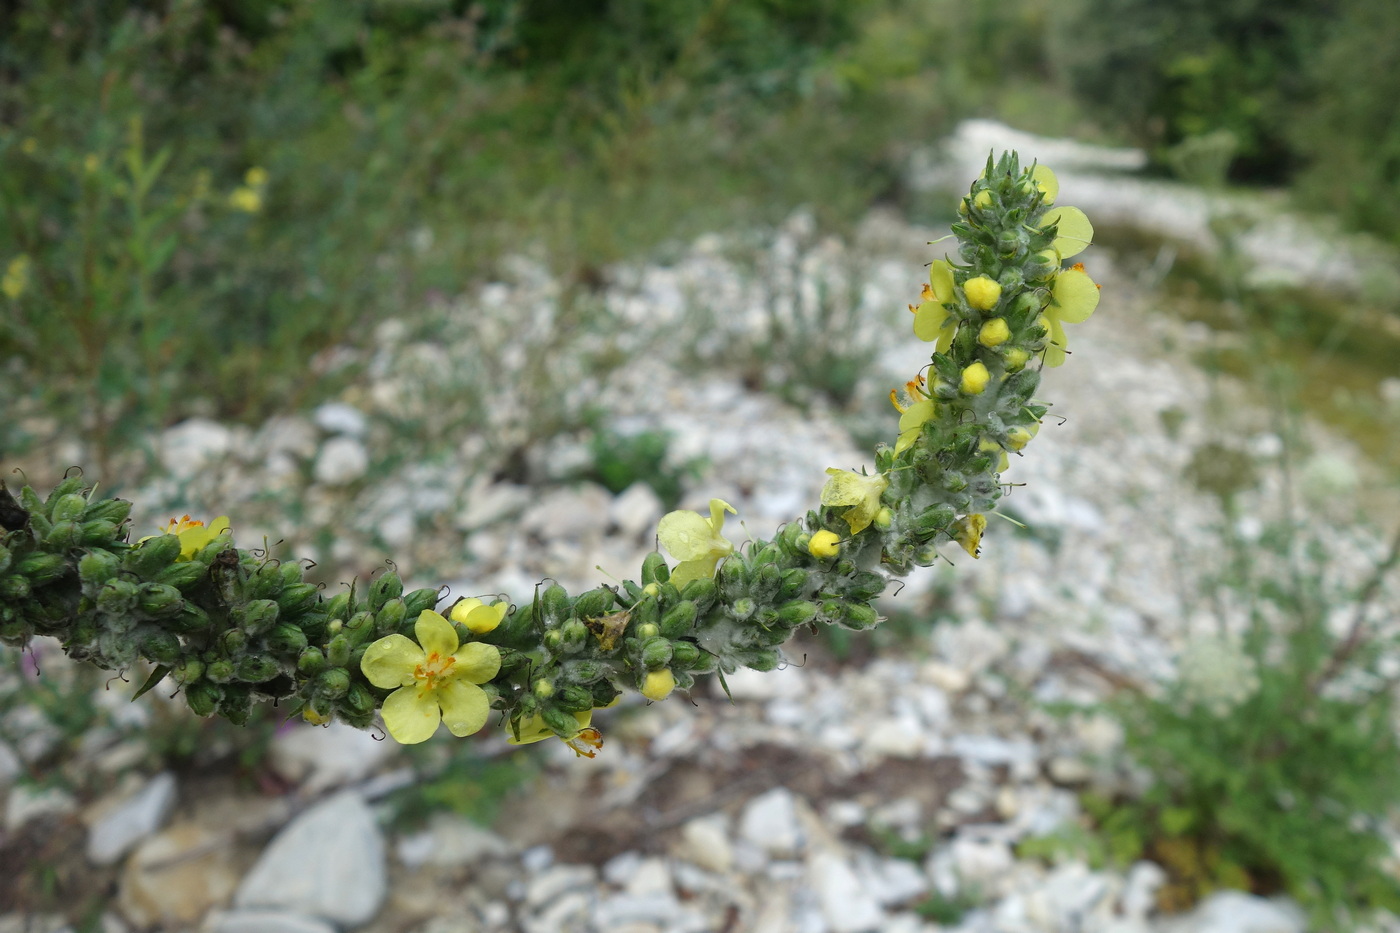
(931, 318)
(975, 378)
(193, 534)
(860, 492)
(982, 292)
(478, 616)
(585, 742)
(912, 416)
(1074, 233)
(967, 531)
(245, 199)
(16, 279)
(824, 544)
(255, 177)
(1073, 297)
(658, 684)
(29, 146)
(1046, 181)
(436, 679)
(91, 163)
(695, 541)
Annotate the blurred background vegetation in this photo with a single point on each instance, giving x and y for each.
(199, 195)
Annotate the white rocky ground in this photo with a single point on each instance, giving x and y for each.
(768, 813)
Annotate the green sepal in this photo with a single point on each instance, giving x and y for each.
(158, 600)
(286, 639)
(298, 598)
(156, 677)
(182, 575)
(419, 600)
(159, 645)
(152, 555)
(594, 603)
(654, 569)
(115, 511)
(203, 698)
(332, 683)
(679, 619)
(388, 586)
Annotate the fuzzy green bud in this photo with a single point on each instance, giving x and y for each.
(233, 643)
(743, 607)
(183, 575)
(656, 652)
(96, 568)
(388, 586)
(574, 699)
(554, 604)
(255, 669)
(115, 511)
(679, 619)
(117, 597)
(359, 700)
(159, 646)
(63, 535)
(338, 651)
(418, 600)
(311, 661)
(220, 671)
(684, 654)
(202, 698)
(157, 599)
(859, 617)
(286, 639)
(256, 617)
(188, 671)
(68, 508)
(798, 612)
(761, 659)
(650, 630)
(594, 603)
(560, 722)
(794, 579)
(97, 533)
(390, 616)
(654, 569)
(151, 555)
(298, 598)
(42, 568)
(702, 593)
(332, 684)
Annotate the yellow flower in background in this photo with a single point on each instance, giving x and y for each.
(245, 199)
(255, 177)
(585, 742)
(478, 616)
(437, 680)
(29, 146)
(967, 531)
(16, 279)
(1074, 233)
(860, 492)
(695, 541)
(1073, 297)
(194, 535)
(913, 414)
(91, 163)
(931, 318)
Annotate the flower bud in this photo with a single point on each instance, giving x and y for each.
(42, 568)
(115, 511)
(798, 612)
(151, 555)
(311, 661)
(558, 721)
(97, 533)
(543, 689)
(554, 604)
(982, 292)
(183, 575)
(824, 544)
(649, 630)
(975, 378)
(1017, 438)
(358, 699)
(390, 616)
(338, 650)
(1016, 359)
(702, 593)
(286, 639)
(332, 683)
(96, 568)
(255, 669)
(159, 646)
(594, 603)
(67, 508)
(684, 654)
(743, 607)
(388, 586)
(220, 671)
(859, 617)
(202, 698)
(298, 598)
(760, 659)
(680, 619)
(654, 569)
(575, 699)
(994, 333)
(256, 617)
(883, 519)
(657, 685)
(418, 600)
(794, 579)
(656, 653)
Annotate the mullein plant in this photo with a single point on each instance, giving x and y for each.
(228, 626)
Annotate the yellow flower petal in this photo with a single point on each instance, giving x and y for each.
(1046, 181)
(717, 509)
(476, 663)
(1074, 231)
(702, 568)
(940, 279)
(685, 534)
(391, 661)
(1075, 296)
(464, 706)
(533, 729)
(435, 634)
(929, 320)
(478, 616)
(659, 684)
(411, 715)
(860, 492)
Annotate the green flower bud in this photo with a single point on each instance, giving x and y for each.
(256, 617)
(220, 671)
(574, 699)
(360, 627)
(290, 572)
(117, 597)
(604, 693)
(63, 535)
(115, 511)
(594, 603)
(299, 598)
(236, 705)
(584, 671)
(575, 635)
(96, 568)
(339, 606)
(760, 659)
(312, 661)
(788, 535)
(358, 699)
(656, 653)
(554, 640)
(388, 586)
(554, 604)
(702, 593)
(560, 722)
(151, 555)
(188, 671)
(14, 587)
(190, 619)
(68, 508)
(42, 568)
(418, 600)
(157, 599)
(255, 669)
(390, 617)
(203, 698)
(97, 533)
(5, 558)
(684, 654)
(865, 586)
(743, 607)
(233, 643)
(183, 575)
(266, 582)
(732, 578)
(798, 612)
(654, 569)
(679, 619)
(794, 580)
(158, 645)
(859, 617)
(286, 639)
(544, 689)
(332, 683)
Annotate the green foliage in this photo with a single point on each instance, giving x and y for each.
(619, 460)
(455, 779)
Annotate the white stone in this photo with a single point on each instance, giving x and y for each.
(340, 418)
(551, 883)
(128, 822)
(488, 503)
(704, 842)
(569, 514)
(329, 862)
(1139, 895)
(192, 445)
(342, 460)
(636, 511)
(891, 882)
(28, 803)
(451, 841)
(769, 822)
(319, 758)
(788, 683)
(945, 676)
(1238, 912)
(287, 436)
(846, 903)
(263, 921)
(980, 864)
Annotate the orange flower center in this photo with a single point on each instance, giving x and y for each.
(586, 744)
(177, 525)
(434, 668)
